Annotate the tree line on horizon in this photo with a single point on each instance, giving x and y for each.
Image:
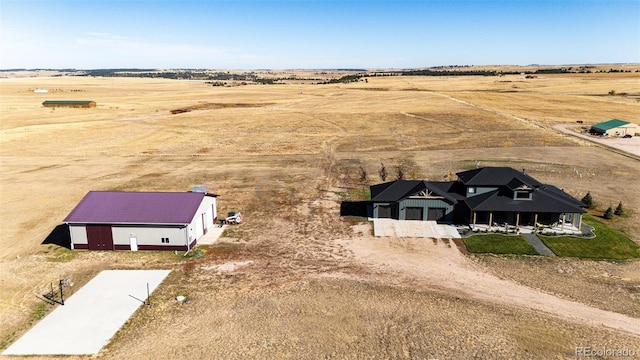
(251, 76)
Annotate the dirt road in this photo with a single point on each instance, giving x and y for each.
(440, 265)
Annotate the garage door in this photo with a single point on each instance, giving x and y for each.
(413, 213)
(435, 214)
(384, 211)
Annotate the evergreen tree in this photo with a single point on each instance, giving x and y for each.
(619, 209)
(609, 213)
(587, 200)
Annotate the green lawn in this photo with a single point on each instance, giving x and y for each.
(499, 244)
(608, 243)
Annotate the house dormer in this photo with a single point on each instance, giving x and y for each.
(523, 192)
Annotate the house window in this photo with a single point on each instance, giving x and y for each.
(522, 195)
(471, 190)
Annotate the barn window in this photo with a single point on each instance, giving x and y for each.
(165, 240)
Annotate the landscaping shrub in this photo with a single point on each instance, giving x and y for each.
(587, 200)
(609, 213)
(619, 210)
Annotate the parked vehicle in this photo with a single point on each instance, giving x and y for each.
(233, 218)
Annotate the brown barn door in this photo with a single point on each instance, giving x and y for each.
(99, 237)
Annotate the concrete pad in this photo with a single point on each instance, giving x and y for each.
(212, 235)
(91, 316)
(413, 228)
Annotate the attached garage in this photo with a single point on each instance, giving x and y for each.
(436, 214)
(412, 200)
(384, 211)
(112, 220)
(414, 213)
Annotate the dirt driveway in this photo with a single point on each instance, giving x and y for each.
(438, 264)
(628, 145)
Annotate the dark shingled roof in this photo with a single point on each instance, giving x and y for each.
(447, 189)
(109, 207)
(495, 176)
(396, 190)
(546, 199)
(400, 189)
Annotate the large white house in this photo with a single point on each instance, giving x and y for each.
(114, 220)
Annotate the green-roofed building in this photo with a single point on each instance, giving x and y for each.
(69, 103)
(615, 127)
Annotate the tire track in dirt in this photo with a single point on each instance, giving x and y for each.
(491, 110)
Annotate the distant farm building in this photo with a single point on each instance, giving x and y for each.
(40, 91)
(114, 220)
(69, 103)
(615, 127)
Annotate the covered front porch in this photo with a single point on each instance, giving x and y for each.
(526, 222)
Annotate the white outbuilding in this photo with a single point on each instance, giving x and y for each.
(119, 220)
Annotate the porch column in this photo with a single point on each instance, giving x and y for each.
(490, 219)
(474, 219)
(535, 221)
(580, 222)
(562, 227)
(517, 220)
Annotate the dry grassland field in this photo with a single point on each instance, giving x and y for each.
(309, 284)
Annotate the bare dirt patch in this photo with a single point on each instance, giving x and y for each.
(213, 106)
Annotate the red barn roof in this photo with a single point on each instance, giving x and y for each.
(136, 207)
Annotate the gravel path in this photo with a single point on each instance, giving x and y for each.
(537, 244)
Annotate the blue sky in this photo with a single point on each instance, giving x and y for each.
(315, 34)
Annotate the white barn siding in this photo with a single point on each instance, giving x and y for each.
(149, 235)
(78, 235)
(204, 219)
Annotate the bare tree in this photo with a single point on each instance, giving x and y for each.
(363, 176)
(383, 172)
